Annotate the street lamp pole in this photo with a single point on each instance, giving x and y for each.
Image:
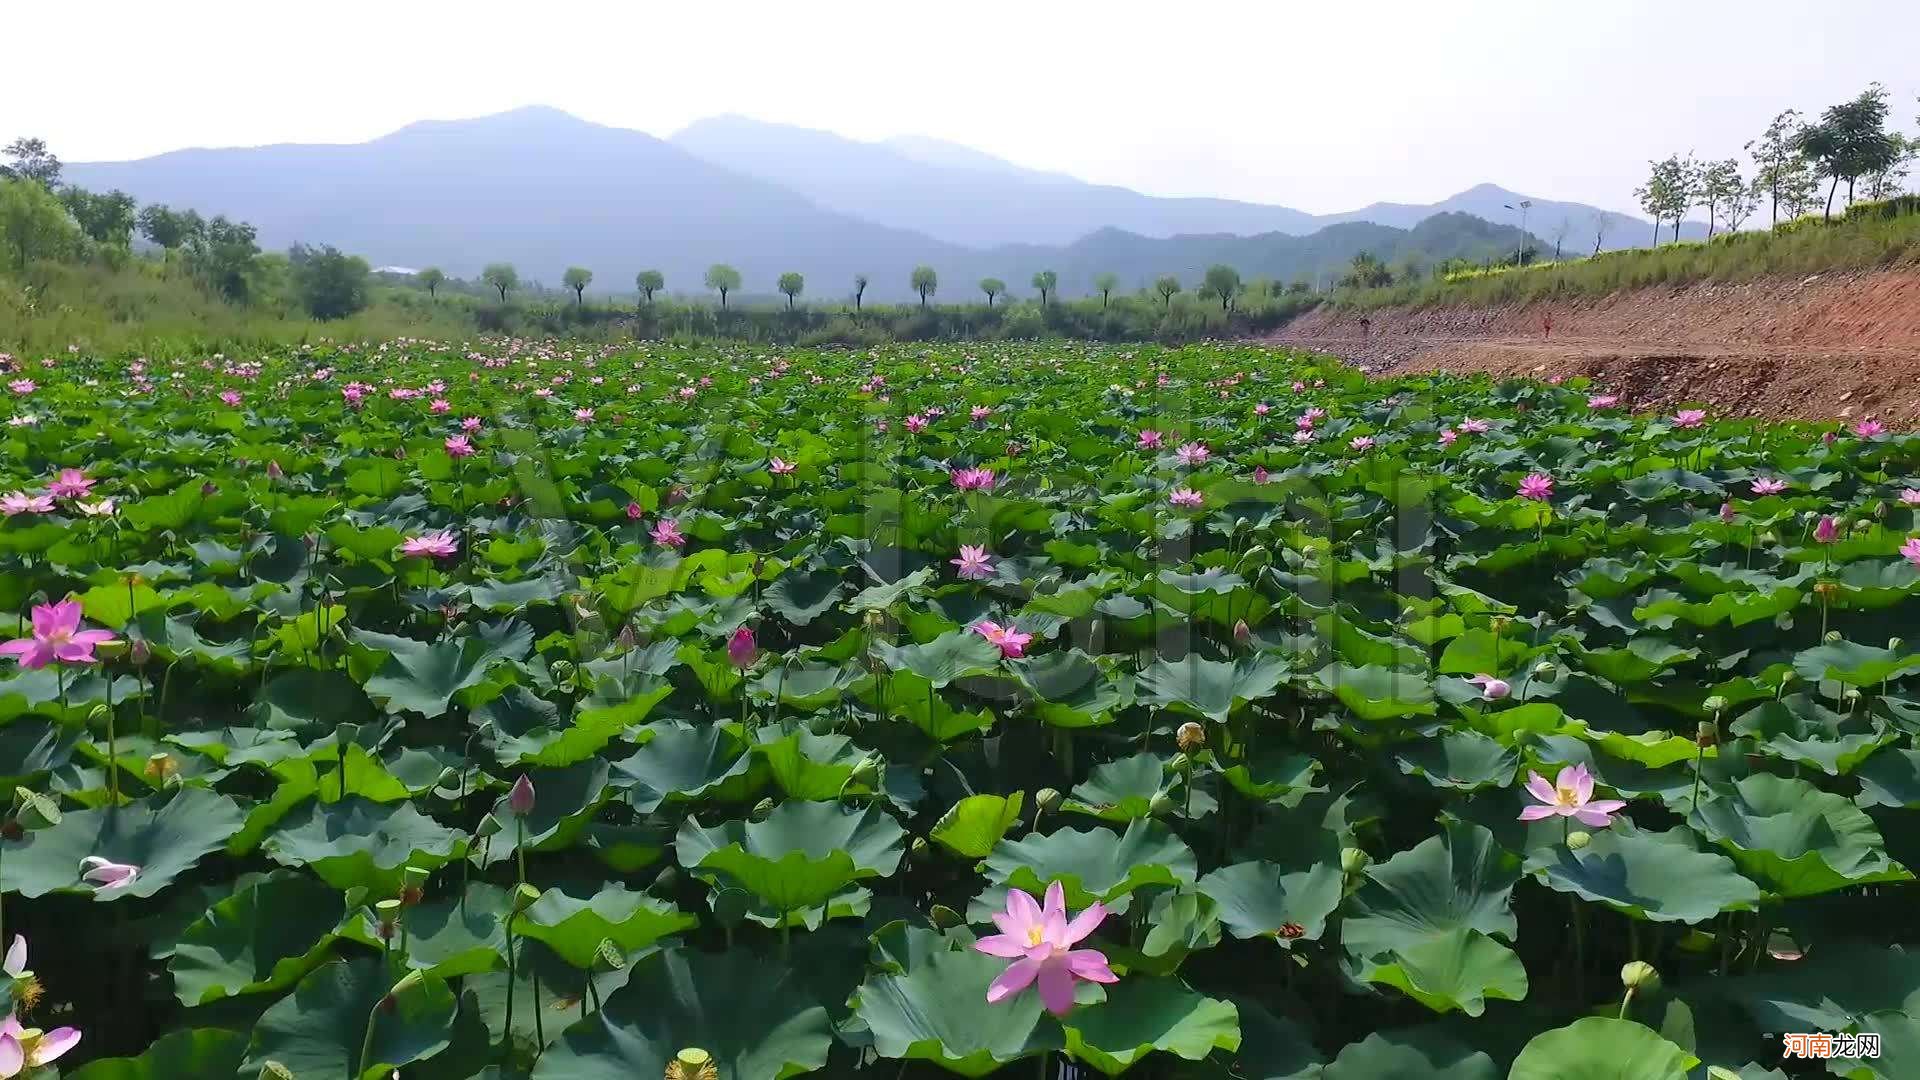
(1519, 252)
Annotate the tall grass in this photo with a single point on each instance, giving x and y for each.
(1868, 236)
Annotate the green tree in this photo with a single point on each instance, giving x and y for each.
(1166, 285)
(1366, 272)
(1667, 192)
(33, 224)
(925, 282)
(503, 277)
(1222, 282)
(1850, 141)
(433, 277)
(1891, 180)
(30, 160)
(790, 285)
(332, 285)
(1720, 183)
(161, 226)
(650, 282)
(1045, 281)
(577, 278)
(859, 290)
(1106, 283)
(226, 256)
(1781, 171)
(105, 219)
(993, 287)
(722, 279)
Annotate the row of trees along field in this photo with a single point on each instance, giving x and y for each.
(42, 218)
(1791, 161)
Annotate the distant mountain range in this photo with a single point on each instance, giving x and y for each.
(545, 190)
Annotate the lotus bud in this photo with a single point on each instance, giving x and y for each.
(1161, 804)
(692, 1064)
(742, 649)
(36, 810)
(139, 652)
(868, 771)
(1788, 677)
(1715, 704)
(761, 809)
(1242, 633)
(945, 917)
(1831, 637)
(524, 897)
(918, 848)
(820, 724)
(520, 799)
(1852, 693)
(667, 881)
(1180, 763)
(407, 984)
(1047, 799)
(1640, 975)
(1895, 644)
(562, 672)
(1545, 669)
(1191, 737)
(1578, 840)
(1353, 860)
(1706, 735)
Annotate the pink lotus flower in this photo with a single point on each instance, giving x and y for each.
(29, 1048)
(1910, 550)
(1689, 418)
(469, 424)
(231, 397)
(56, 636)
(1362, 443)
(1040, 942)
(19, 502)
(1726, 513)
(779, 466)
(1259, 474)
(1537, 486)
(973, 479)
(1149, 439)
(666, 533)
(433, 545)
(458, 446)
(584, 416)
(1186, 498)
(1868, 428)
(1193, 454)
(1303, 436)
(974, 563)
(1012, 642)
(980, 412)
(521, 797)
(106, 874)
(916, 424)
(1603, 401)
(22, 386)
(1262, 409)
(100, 508)
(742, 649)
(1491, 689)
(634, 511)
(70, 484)
(1767, 485)
(1304, 422)
(438, 406)
(1910, 497)
(1474, 427)
(1570, 795)
(1298, 386)
(1826, 530)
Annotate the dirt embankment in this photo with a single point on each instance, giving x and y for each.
(1832, 346)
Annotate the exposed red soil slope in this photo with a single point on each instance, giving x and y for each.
(1840, 345)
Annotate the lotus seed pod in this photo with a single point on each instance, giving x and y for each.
(1895, 644)
(692, 1064)
(1047, 799)
(1578, 840)
(160, 765)
(414, 877)
(387, 909)
(1831, 637)
(1640, 975)
(1191, 736)
(1353, 860)
(524, 897)
(273, 1070)
(1852, 693)
(1715, 704)
(609, 954)
(945, 917)
(761, 809)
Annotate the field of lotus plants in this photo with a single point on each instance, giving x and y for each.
(578, 712)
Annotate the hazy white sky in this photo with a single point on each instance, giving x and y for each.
(1320, 106)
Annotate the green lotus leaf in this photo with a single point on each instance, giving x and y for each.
(1403, 1058)
(1642, 659)
(1799, 840)
(801, 597)
(310, 703)
(1096, 864)
(1830, 988)
(1899, 1048)
(937, 1011)
(1180, 924)
(1377, 693)
(1072, 689)
(871, 839)
(1258, 899)
(1144, 1015)
(1272, 771)
(974, 825)
(566, 801)
(752, 1016)
(1600, 1048)
(321, 1028)
(1209, 688)
(1801, 730)
(1273, 1047)
(808, 687)
(263, 938)
(357, 842)
(1853, 664)
(458, 934)
(574, 927)
(914, 698)
(1659, 877)
(1484, 652)
(527, 731)
(1888, 778)
(200, 1053)
(165, 836)
(1119, 790)
(1457, 969)
(948, 657)
(1460, 879)
(809, 766)
(687, 765)
(1463, 760)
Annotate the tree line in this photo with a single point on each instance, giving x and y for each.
(1791, 161)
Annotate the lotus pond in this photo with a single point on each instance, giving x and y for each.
(519, 709)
